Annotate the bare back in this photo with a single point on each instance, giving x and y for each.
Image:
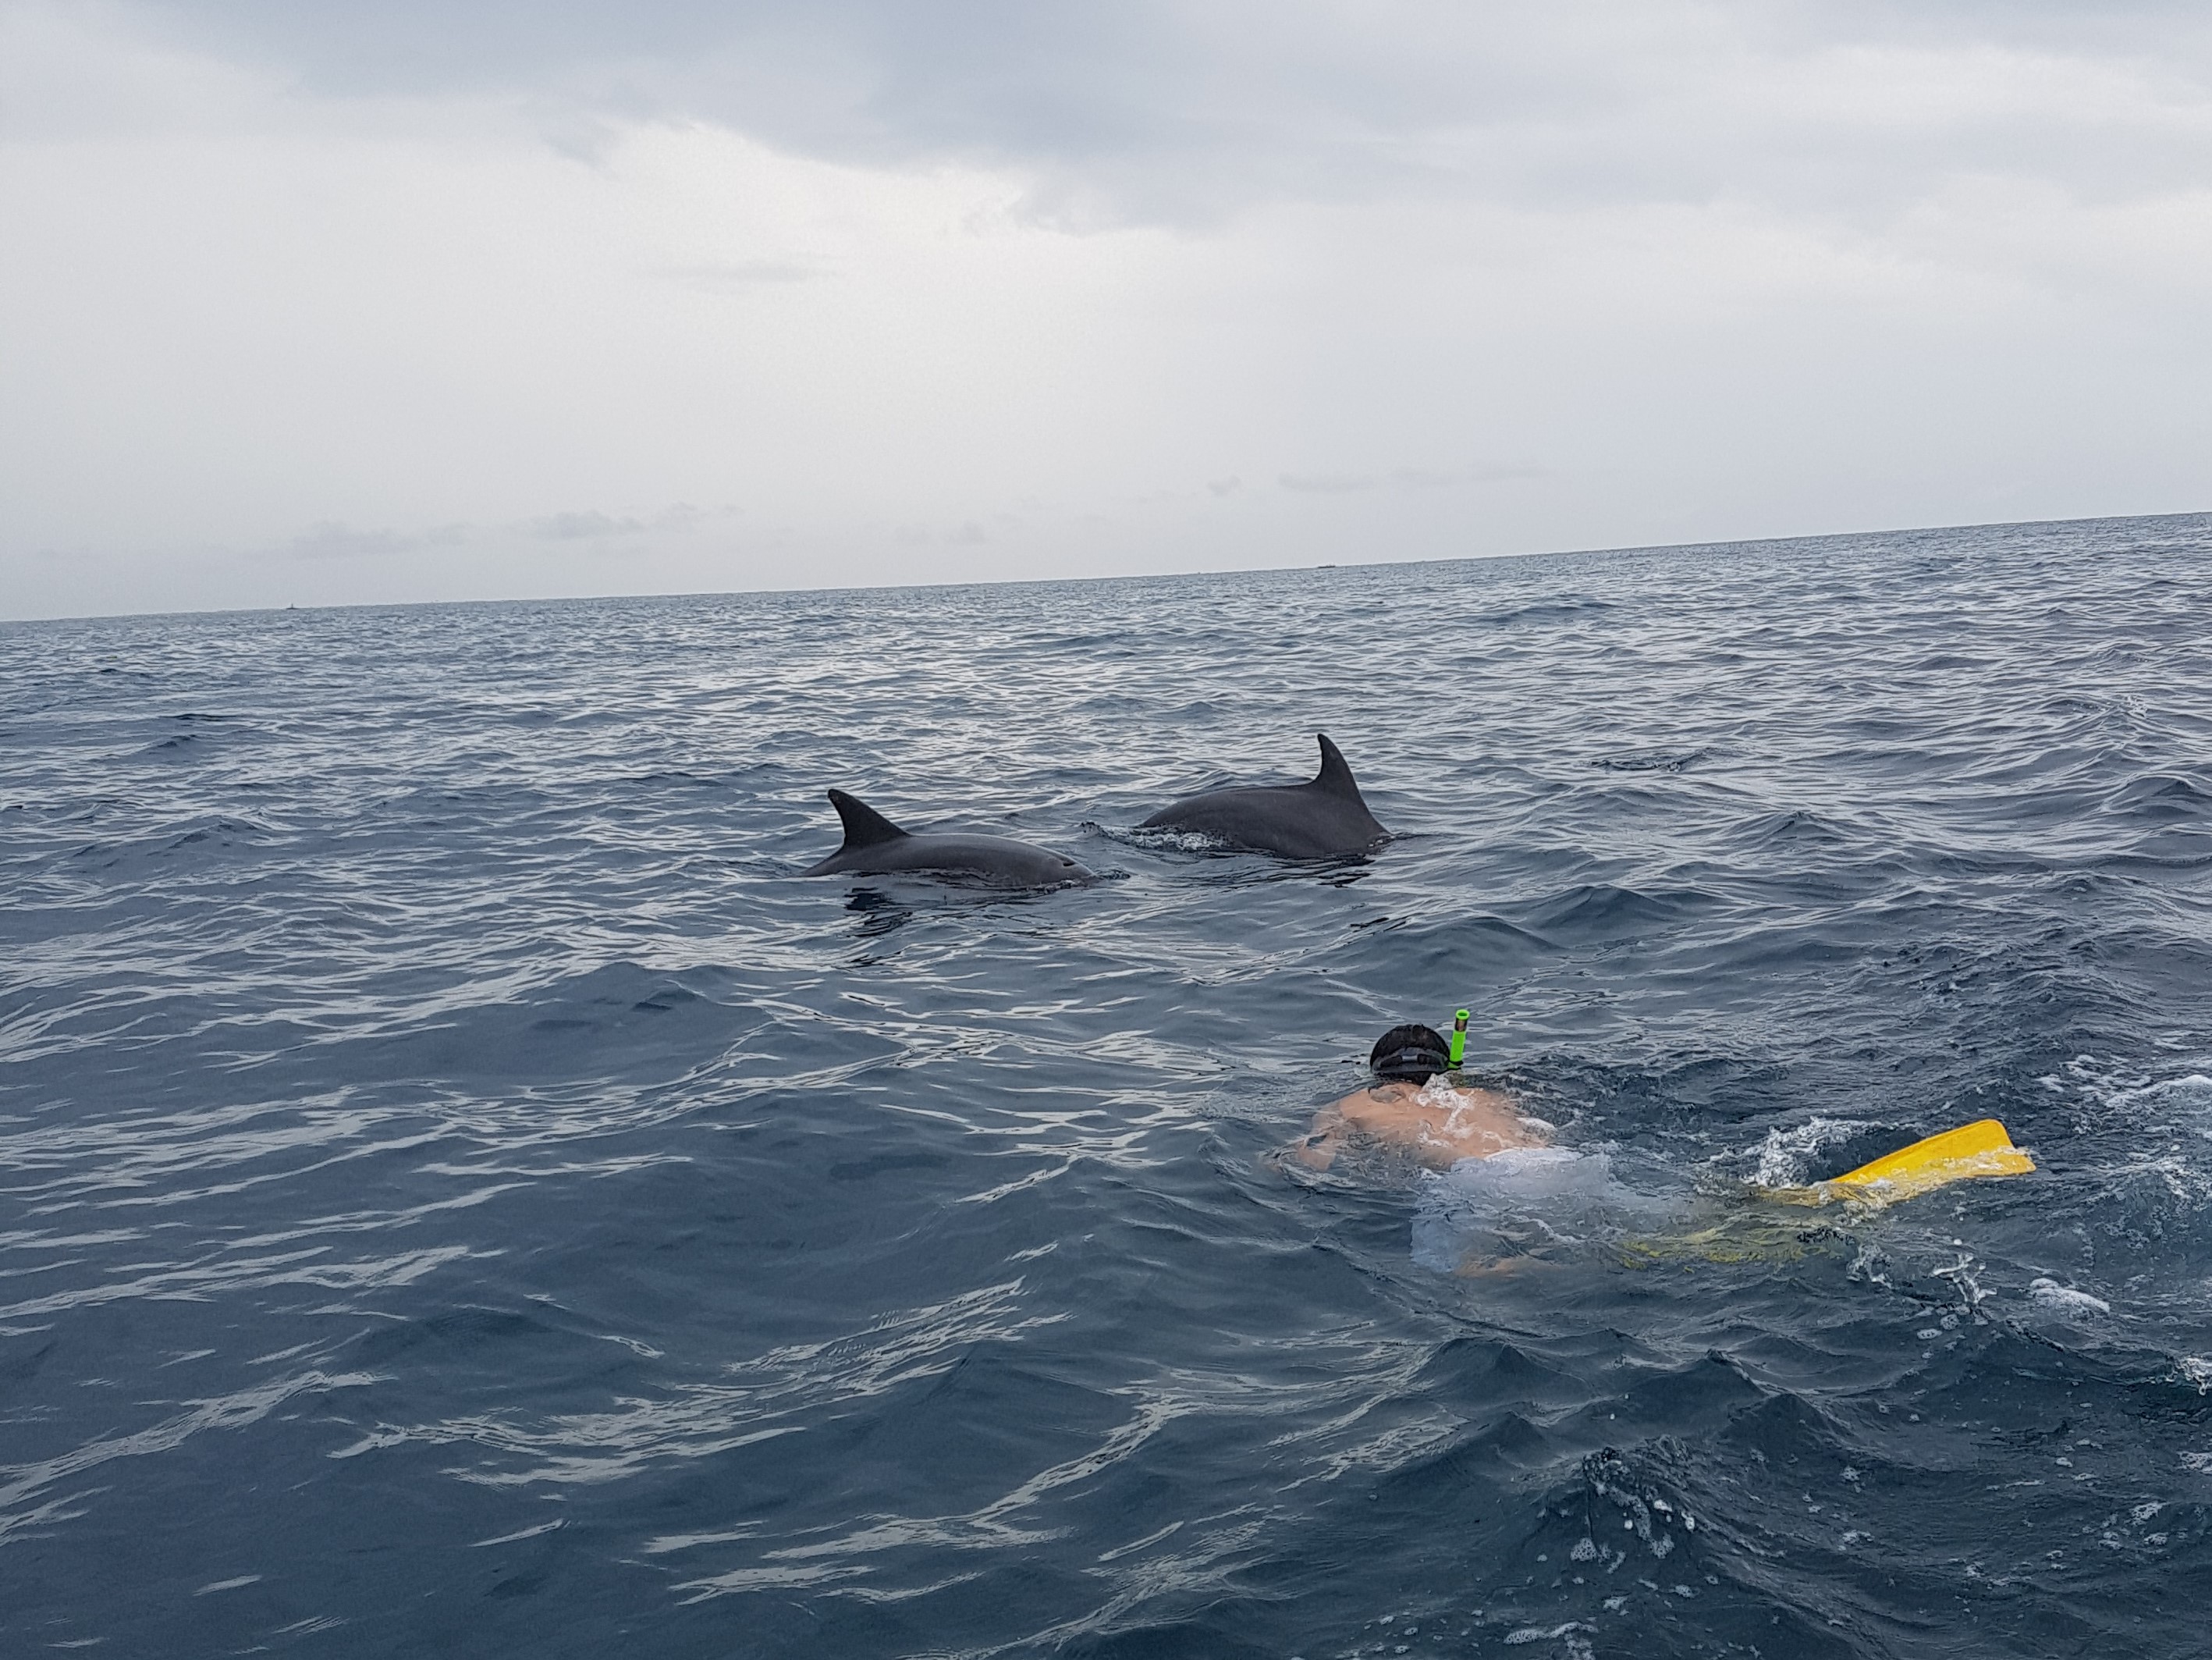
(1439, 1124)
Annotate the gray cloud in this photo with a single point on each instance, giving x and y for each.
(1709, 269)
(1185, 113)
(1403, 479)
(736, 277)
(589, 526)
(1328, 483)
(333, 540)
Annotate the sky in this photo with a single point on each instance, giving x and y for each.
(475, 299)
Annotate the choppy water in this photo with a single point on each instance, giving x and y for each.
(460, 1194)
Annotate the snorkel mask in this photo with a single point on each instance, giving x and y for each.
(1415, 1053)
(1409, 1055)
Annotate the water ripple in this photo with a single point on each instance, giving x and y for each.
(462, 1192)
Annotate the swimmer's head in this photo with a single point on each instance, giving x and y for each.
(1411, 1055)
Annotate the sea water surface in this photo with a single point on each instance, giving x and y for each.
(462, 1193)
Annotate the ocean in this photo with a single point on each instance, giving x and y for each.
(462, 1193)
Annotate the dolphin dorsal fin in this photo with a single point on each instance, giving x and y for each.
(1334, 777)
(864, 826)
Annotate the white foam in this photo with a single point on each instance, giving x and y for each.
(1167, 838)
(2051, 1294)
(1530, 1196)
(1785, 1156)
(2191, 1093)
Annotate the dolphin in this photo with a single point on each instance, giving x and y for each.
(875, 847)
(1323, 819)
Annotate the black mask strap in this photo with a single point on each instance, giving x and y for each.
(1416, 1063)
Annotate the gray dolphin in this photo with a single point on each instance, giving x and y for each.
(875, 847)
(1323, 819)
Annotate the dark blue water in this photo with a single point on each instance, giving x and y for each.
(461, 1193)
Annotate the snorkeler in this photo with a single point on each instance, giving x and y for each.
(1504, 1199)
(1413, 1104)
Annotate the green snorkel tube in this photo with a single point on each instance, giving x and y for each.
(1458, 1039)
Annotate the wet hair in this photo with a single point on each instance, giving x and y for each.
(1410, 1054)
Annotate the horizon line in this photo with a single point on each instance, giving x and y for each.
(1629, 549)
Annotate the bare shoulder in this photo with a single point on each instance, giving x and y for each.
(1374, 1099)
(1491, 1121)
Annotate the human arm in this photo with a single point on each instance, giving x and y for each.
(1318, 1148)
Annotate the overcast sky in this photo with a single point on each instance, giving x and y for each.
(437, 298)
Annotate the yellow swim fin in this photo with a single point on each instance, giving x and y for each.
(1972, 1150)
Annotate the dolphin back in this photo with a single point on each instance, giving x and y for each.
(874, 845)
(1325, 818)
